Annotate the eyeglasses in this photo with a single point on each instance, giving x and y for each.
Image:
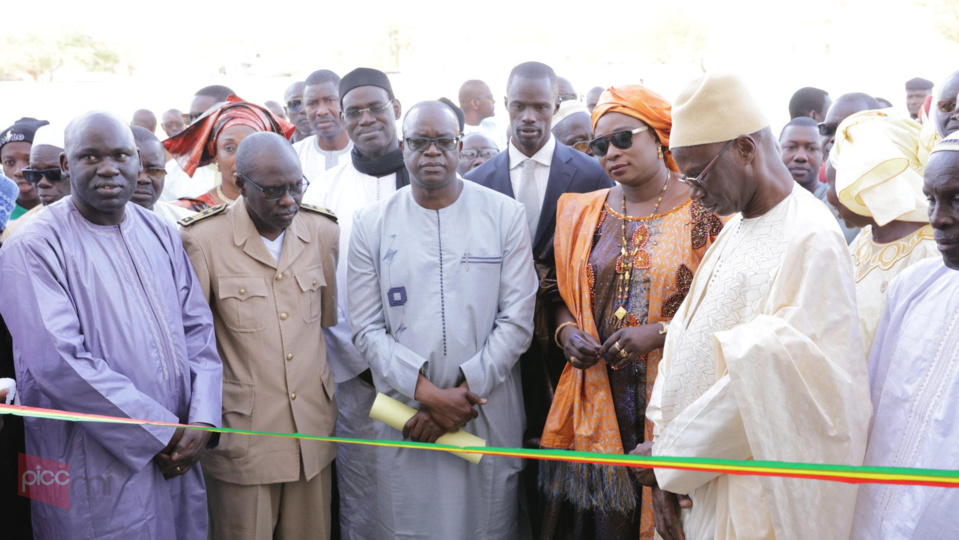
(621, 139)
(697, 181)
(946, 106)
(355, 114)
(471, 153)
(827, 130)
(419, 144)
(294, 105)
(276, 193)
(583, 146)
(158, 174)
(34, 175)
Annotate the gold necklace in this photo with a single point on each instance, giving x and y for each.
(224, 198)
(627, 258)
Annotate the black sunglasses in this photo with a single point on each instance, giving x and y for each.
(827, 130)
(276, 193)
(34, 175)
(294, 105)
(621, 139)
(418, 144)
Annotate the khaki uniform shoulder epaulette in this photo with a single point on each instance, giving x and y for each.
(319, 210)
(196, 218)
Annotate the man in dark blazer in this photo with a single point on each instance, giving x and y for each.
(535, 170)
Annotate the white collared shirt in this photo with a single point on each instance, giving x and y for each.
(543, 160)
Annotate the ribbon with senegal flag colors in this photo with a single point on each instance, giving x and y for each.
(811, 471)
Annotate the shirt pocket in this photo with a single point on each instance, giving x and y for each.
(243, 301)
(237, 414)
(311, 282)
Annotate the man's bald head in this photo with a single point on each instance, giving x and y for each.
(263, 149)
(275, 108)
(592, 97)
(844, 107)
(268, 164)
(476, 101)
(412, 115)
(944, 110)
(172, 122)
(102, 185)
(145, 119)
(207, 97)
(566, 90)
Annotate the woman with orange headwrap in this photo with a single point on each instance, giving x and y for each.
(625, 258)
(213, 138)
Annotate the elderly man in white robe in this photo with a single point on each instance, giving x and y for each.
(764, 359)
(441, 295)
(914, 375)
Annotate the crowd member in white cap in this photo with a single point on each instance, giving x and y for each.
(758, 362)
(877, 164)
(572, 125)
(43, 173)
(914, 376)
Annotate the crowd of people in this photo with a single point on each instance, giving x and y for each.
(610, 273)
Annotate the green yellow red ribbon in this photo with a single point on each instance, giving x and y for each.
(811, 471)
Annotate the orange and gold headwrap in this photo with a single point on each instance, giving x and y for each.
(195, 146)
(643, 104)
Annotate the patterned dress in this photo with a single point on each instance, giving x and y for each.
(668, 248)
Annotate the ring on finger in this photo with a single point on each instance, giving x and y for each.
(623, 353)
(618, 348)
(572, 359)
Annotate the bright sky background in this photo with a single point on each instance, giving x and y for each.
(177, 46)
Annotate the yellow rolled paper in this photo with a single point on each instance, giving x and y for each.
(396, 414)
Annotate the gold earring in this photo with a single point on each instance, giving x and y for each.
(659, 152)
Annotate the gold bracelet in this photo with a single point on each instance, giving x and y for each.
(665, 327)
(560, 329)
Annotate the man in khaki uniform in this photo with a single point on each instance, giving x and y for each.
(268, 271)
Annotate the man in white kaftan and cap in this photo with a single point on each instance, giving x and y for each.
(764, 359)
(914, 377)
(441, 292)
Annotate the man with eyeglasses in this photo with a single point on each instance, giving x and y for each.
(535, 170)
(375, 170)
(844, 107)
(296, 112)
(477, 150)
(734, 381)
(152, 176)
(572, 126)
(441, 294)
(267, 265)
(329, 144)
(43, 173)
(178, 183)
(479, 107)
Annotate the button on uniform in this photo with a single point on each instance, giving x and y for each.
(293, 396)
(284, 316)
(279, 277)
(289, 356)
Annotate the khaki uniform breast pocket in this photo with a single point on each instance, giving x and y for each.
(311, 282)
(242, 301)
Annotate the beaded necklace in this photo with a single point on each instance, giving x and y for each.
(630, 258)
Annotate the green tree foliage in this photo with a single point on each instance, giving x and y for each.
(40, 57)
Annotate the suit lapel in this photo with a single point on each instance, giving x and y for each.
(499, 178)
(560, 178)
(293, 243)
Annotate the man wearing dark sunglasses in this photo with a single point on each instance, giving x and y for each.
(296, 112)
(536, 171)
(43, 173)
(267, 266)
(772, 301)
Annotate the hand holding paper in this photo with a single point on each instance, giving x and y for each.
(396, 414)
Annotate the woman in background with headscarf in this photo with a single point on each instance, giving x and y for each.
(213, 138)
(625, 260)
(875, 182)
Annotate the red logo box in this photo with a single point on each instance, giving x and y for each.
(44, 480)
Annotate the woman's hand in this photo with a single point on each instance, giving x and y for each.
(630, 344)
(580, 348)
